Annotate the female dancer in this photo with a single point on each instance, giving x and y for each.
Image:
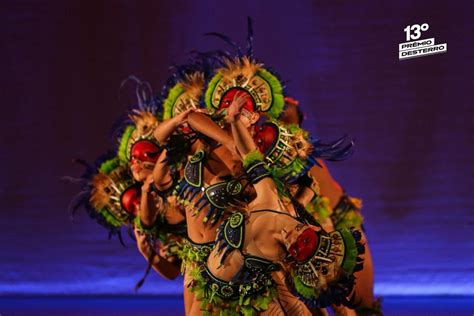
(220, 194)
(239, 77)
(237, 276)
(110, 195)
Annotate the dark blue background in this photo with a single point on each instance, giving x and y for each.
(62, 64)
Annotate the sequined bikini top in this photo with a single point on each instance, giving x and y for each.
(230, 237)
(255, 274)
(217, 196)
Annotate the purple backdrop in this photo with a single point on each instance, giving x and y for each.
(62, 64)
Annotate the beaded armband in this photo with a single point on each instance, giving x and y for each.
(256, 171)
(163, 193)
(255, 167)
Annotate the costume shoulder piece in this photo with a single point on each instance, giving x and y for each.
(193, 172)
(192, 181)
(216, 197)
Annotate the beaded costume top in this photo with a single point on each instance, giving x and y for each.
(217, 197)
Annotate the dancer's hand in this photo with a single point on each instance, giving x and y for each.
(167, 251)
(166, 128)
(182, 117)
(236, 106)
(150, 197)
(147, 184)
(143, 245)
(146, 189)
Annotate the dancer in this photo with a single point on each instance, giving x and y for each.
(111, 197)
(243, 200)
(334, 209)
(237, 276)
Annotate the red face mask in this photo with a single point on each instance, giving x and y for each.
(144, 150)
(265, 137)
(228, 97)
(305, 245)
(130, 199)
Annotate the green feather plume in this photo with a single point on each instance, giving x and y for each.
(277, 174)
(109, 165)
(122, 151)
(170, 101)
(295, 130)
(278, 100)
(110, 218)
(252, 156)
(211, 86)
(303, 290)
(153, 231)
(350, 254)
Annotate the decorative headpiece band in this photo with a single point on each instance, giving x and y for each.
(326, 275)
(101, 180)
(184, 95)
(290, 151)
(287, 149)
(114, 194)
(140, 121)
(244, 74)
(143, 128)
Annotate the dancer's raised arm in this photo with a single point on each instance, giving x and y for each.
(162, 178)
(150, 204)
(203, 124)
(166, 128)
(259, 176)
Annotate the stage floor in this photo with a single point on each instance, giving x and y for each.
(148, 306)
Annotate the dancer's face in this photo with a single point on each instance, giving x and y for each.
(143, 157)
(230, 95)
(265, 136)
(248, 114)
(249, 118)
(301, 241)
